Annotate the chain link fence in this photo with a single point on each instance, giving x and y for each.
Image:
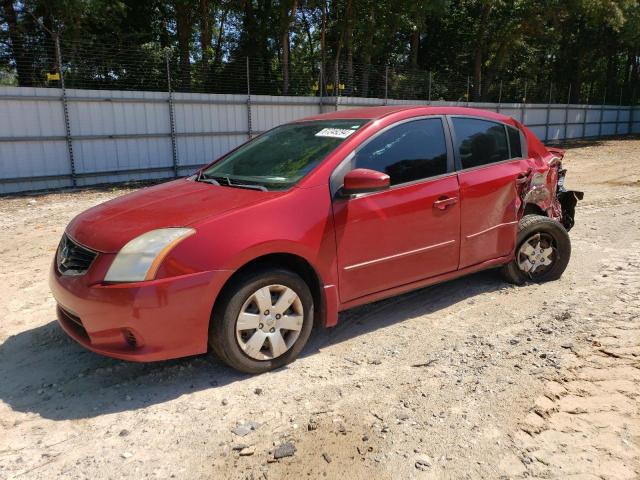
(150, 67)
(112, 113)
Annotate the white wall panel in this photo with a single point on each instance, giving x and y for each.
(124, 130)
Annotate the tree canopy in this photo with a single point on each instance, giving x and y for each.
(510, 50)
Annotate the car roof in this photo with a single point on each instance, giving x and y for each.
(378, 112)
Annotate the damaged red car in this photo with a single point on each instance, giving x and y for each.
(308, 219)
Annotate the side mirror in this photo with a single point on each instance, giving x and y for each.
(363, 180)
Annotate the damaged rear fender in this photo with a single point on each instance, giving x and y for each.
(543, 192)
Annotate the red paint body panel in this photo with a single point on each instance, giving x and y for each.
(361, 248)
(177, 203)
(488, 233)
(169, 317)
(396, 237)
(363, 180)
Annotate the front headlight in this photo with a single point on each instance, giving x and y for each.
(140, 259)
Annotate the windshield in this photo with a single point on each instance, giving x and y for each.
(281, 157)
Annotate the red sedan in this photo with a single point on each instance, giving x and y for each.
(311, 218)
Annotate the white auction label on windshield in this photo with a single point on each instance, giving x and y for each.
(335, 132)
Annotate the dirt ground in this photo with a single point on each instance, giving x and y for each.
(469, 379)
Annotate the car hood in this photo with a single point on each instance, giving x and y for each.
(109, 226)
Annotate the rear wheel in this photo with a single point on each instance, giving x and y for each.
(543, 249)
(262, 321)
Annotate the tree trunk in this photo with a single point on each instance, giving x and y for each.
(478, 56)
(23, 68)
(184, 30)
(307, 29)
(366, 56)
(415, 45)
(164, 26)
(348, 40)
(496, 65)
(323, 39)
(289, 18)
(336, 60)
(217, 57)
(205, 36)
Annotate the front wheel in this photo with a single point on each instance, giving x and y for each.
(262, 321)
(543, 249)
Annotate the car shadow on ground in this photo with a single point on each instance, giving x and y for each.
(44, 372)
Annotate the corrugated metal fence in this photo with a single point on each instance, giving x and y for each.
(114, 136)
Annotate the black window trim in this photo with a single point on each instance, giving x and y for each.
(346, 165)
(458, 162)
(523, 142)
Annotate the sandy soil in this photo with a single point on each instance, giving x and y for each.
(470, 379)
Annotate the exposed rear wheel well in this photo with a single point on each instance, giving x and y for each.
(290, 262)
(533, 209)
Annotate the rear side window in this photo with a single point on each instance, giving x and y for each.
(480, 142)
(514, 142)
(411, 151)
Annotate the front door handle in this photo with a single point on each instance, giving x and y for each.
(443, 202)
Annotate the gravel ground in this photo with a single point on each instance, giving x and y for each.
(468, 379)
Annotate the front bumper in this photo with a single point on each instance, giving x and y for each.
(143, 322)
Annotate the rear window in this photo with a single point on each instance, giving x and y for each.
(514, 142)
(480, 142)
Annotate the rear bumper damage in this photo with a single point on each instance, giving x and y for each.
(568, 200)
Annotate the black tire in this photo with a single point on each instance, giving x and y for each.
(222, 329)
(529, 226)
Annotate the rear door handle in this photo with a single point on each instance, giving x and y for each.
(443, 202)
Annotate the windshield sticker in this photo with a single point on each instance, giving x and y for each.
(334, 132)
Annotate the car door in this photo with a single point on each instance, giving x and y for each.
(490, 161)
(409, 231)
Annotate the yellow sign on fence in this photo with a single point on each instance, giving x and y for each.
(53, 76)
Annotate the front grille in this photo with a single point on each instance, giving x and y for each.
(72, 258)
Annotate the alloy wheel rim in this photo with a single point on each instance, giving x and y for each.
(269, 322)
(537, 255)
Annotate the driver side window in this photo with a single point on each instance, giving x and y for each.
(408, 152)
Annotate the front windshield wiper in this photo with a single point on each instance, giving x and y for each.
(203, 179)
(226, 181)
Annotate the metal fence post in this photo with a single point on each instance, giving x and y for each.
(499, 97)
(65, 111)
(631, 111)
(321, 85)
(618, 112)
(524, 102)
(249, 126)
(604, 100)
(386, 84)
(429, 100)
(546, 130)
(172, 120)
(468, 84)
(566, 115)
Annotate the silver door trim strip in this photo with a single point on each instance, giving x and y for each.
(468, 237)
(398, 255)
